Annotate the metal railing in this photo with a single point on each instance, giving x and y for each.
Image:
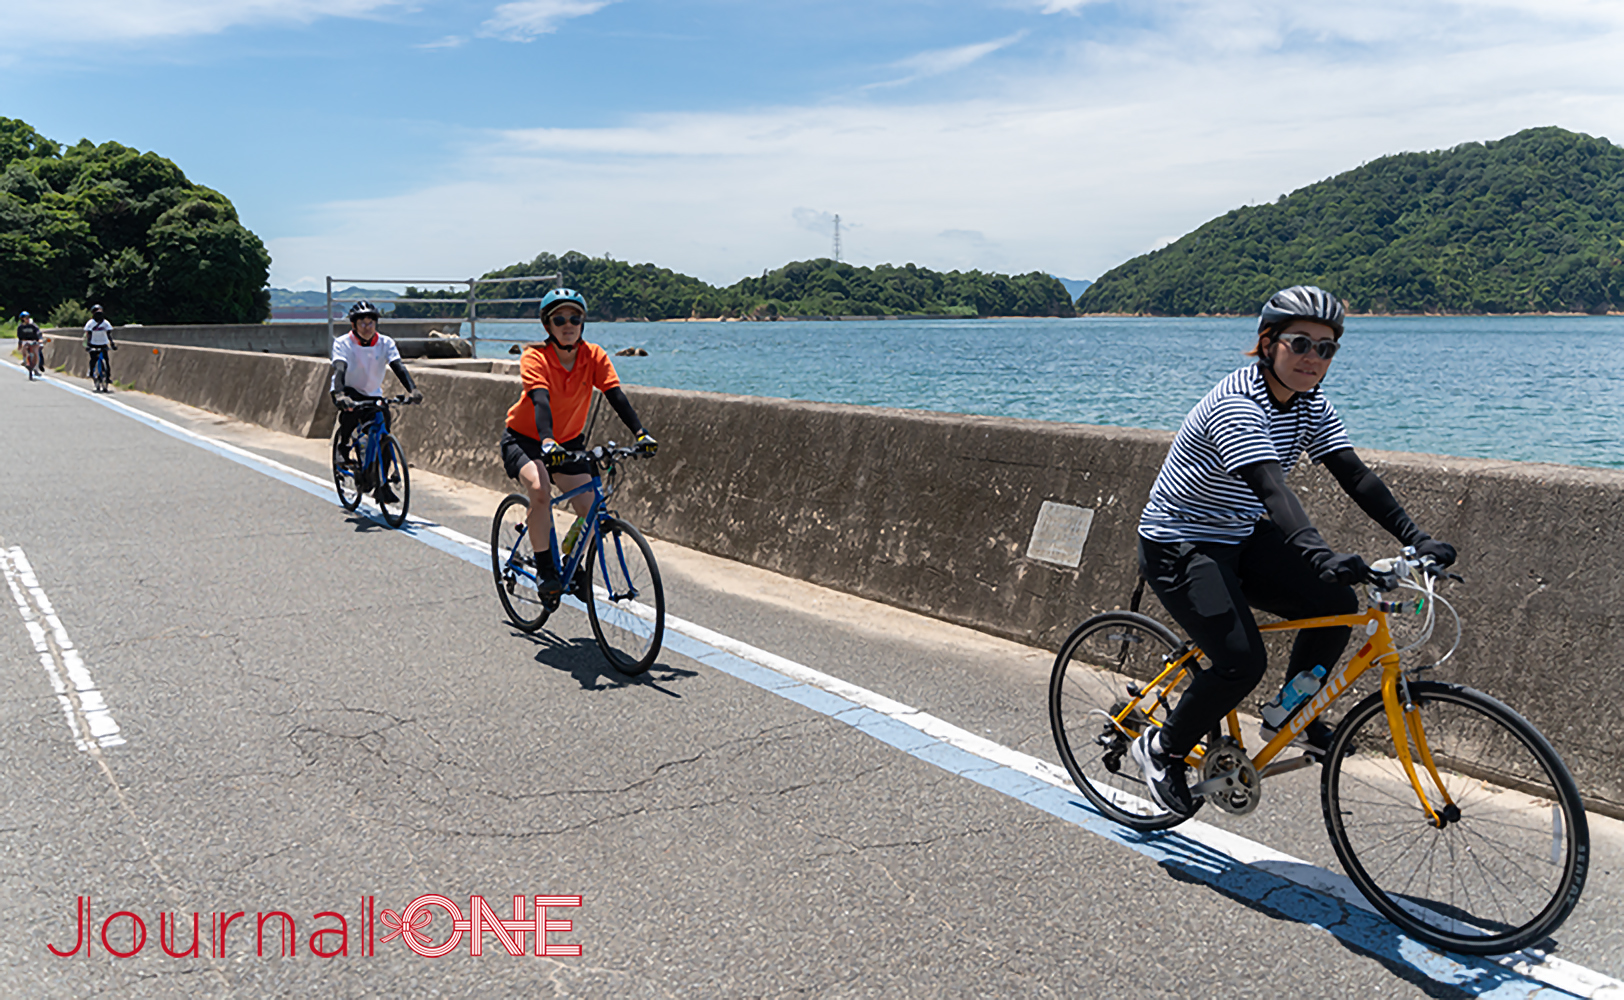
(471, 303)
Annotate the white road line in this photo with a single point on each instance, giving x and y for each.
(1566, 976)
(89, 719)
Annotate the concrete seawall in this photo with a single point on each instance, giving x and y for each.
(936, 513)
(304, 339)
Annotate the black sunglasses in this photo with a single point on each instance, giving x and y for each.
(1301, 343)
(573, 319)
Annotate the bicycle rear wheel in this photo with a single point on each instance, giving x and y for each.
(513, 563)
(1088, 688)
(627, 610)
(1510, 860)
(344, 473)
(395, 476)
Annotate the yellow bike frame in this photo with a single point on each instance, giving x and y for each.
(1403, 717)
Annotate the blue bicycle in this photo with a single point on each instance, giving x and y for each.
(610, 568)
(381, 467)
(101, 373)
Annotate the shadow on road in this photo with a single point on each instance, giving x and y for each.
(583, 660)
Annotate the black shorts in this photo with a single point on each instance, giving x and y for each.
(519, 449)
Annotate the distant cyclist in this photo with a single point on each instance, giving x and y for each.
(1221, 533)
(549, 420)
(28, 338)
(98, 339)
(360, 359)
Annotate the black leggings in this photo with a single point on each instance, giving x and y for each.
(1209, 588)
(348, 420)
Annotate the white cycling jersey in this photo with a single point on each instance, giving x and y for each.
(365, 364)
(100, 332)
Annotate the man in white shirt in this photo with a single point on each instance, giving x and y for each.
(98, 338)
(360, 359)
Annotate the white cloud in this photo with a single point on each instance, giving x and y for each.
(1064, 6)
(1070, 169)
(814, 221)
(524, 20)
(936, 62)
(46, 23)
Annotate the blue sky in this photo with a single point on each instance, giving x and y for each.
(444, 138)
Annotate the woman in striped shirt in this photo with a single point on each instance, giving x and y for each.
(1210, 553)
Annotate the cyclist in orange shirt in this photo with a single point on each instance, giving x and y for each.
(549, 420)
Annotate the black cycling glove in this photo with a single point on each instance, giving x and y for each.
(1441, 553)
(1342, 567)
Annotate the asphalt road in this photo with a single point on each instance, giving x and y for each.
(313, 712)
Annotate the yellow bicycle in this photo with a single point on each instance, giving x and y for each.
(1449, 811)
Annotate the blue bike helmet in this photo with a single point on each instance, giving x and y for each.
(561, 297)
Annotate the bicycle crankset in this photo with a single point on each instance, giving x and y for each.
(1228, 779)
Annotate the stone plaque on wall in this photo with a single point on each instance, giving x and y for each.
(1059, 534)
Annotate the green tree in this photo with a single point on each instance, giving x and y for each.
(113, 224)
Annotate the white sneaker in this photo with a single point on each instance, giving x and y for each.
(1165, 776)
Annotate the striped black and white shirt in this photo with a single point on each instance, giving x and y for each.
(1197, 497)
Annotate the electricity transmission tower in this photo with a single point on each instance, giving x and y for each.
(837, 239)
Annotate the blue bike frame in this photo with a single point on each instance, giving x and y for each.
(566, 568)
(373, 430)
(589, 528)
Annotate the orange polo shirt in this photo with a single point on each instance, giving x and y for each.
(570, 392)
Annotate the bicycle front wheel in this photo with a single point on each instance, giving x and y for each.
(396, 479)
(513, 563)
(344, 473)
(1088, 689)
(627, 609)
(1507, 864)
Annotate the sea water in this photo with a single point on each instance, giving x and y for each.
(1525, 388)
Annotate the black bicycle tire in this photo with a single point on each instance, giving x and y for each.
(404, 489)
(615, 529)
(340, 481)
(1057, 721)
(1562, 788)
(498, 560)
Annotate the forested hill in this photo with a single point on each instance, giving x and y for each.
(615, 289)
(107, 223)
(1530, 223)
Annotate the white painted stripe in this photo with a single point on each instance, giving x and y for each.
(83, 706)
(1556, 973)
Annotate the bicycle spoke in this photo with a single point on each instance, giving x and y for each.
(1088, 689)
(627, 608)
(510, 553)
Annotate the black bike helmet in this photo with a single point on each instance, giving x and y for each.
(363, 308)
(95, 310)
(1301, 302)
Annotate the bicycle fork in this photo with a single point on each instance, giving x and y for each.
(1404, 721)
